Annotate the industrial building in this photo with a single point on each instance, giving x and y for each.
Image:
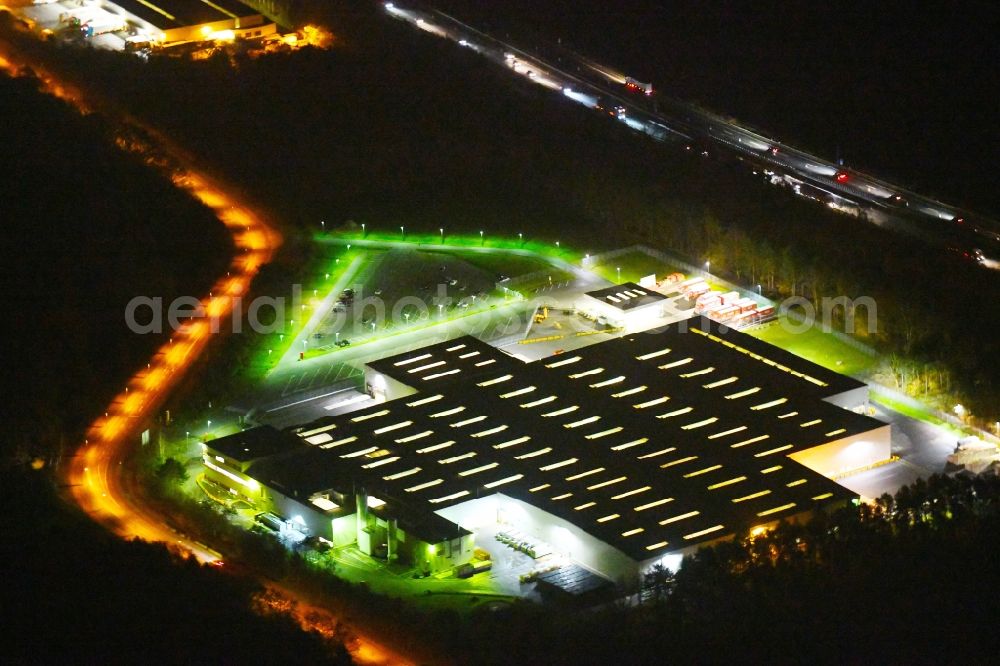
(624, 305)
(617, 456)
(195, 20)
(121, 24)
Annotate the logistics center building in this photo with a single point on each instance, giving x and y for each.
(617, 456)
(120, 24)
(194, 20)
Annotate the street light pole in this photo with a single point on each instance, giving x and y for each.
(482, 241)
(442, 235)
(402, 233)
(364, 234)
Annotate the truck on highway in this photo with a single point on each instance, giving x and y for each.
(638, 86)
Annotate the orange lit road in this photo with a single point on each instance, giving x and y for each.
(95, 473)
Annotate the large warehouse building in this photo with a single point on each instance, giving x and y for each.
(116, 24)
(195, 20)
(617, 456)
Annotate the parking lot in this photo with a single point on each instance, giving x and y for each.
(91, 21)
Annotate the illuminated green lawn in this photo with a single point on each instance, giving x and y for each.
(412, 268)
(404, 272)
(819, 347)
(551, 277)
(555, 249)
(328, 270)
(424, 324)
(925, 415)
(634, 266)
(396, 580)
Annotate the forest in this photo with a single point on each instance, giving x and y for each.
(77, 593)
(904, 580)
(89, 227)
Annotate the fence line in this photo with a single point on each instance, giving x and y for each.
(950, 419)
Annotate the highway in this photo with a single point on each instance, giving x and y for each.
(602, 88)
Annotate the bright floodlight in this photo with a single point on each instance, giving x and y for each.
(754, 143)
(634, 124)
(580, 98)
(390, 6)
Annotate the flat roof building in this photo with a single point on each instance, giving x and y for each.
(616, 455)
(171, 21)
(625, 305)
(119, 24)
(243, 448)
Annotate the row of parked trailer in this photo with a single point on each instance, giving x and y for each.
(729, 307)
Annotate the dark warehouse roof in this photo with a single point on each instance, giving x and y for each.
(651, 442)
(627, 296)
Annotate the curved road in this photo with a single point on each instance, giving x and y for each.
(95, 475)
